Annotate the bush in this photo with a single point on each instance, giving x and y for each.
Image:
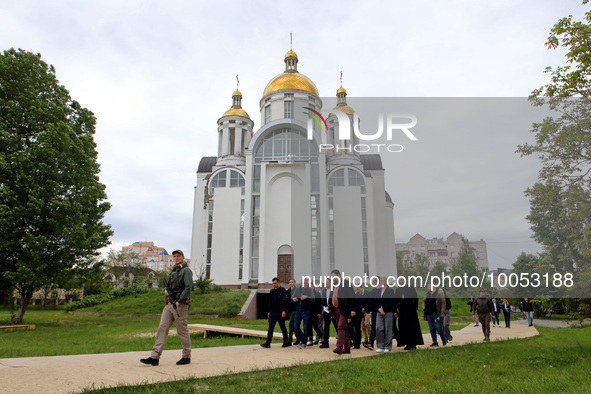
(231, 309)
(96, 299)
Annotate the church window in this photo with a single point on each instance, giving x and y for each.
(315, 206)
(219, 180)
(288, 106)
(254, 244)
(267, 113)
(288, 109)
(241, 250)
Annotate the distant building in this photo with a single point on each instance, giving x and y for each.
(440, 250)
(154, 257)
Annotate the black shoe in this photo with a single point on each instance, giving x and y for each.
(410, 348)
(150, 361)
(323, 346)
(284, 345)
(265, 345)
(356, 347)
(296, 343)
(184, 361)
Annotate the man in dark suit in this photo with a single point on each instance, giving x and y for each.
(327, 313)
(384, 303)
(355, 325)
(277, 312)
(496, 313)
(343, 301)
(506, 313)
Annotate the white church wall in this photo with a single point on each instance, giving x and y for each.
(226, 236)
(385, 263)
(199, 235)
(348, 233)
(285, 210)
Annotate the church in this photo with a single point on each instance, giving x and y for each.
(276, 201)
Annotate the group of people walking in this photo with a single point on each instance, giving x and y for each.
(373, 319)
(484, 310)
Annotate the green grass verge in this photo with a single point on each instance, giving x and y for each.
(60, 333)
(555, 361)
(224, 302)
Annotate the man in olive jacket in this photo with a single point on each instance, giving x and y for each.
(180, 283)
(483, 307)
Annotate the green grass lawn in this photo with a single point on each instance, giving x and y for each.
(152, 302)
(555, 361)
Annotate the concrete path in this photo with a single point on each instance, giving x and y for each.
(63, 374)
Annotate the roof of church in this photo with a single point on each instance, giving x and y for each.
(371, 162)
(291, 81)
(206, 164)
(388, 198)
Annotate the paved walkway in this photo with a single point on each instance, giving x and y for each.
(63, 374)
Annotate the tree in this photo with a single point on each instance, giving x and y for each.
(574, 79)
(51, 201)
(438, 268)
(124, 258)
(465, 266)
(561, 199)
(417, 267)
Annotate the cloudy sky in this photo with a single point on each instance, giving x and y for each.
(158, 75)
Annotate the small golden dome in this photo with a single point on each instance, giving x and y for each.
(342, 91)
(291, 80)
(291, 54)
(237, 93)
(343, 108)
(236, 111)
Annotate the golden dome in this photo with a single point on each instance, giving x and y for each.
(236, 111)
(342, 90)
(291, 80)
(237, 93)
(344, 108)
(291, 54)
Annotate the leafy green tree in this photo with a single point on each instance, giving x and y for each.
(465, 265)
(438, 268)
(418, 267)
(399, 262)
(124, 258)
(573, 79)
(51, 201)
(561, 199)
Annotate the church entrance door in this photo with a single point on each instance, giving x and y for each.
(284, 267)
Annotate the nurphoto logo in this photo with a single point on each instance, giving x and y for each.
(348, 127)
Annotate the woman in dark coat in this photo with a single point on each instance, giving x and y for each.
(406, 304)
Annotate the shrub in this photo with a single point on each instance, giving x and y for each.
(96, 299)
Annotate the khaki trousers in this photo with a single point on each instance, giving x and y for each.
(366, 325)
(168, 317)
(485, 323)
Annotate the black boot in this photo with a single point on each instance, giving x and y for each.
(150, 361)
(184, 361)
